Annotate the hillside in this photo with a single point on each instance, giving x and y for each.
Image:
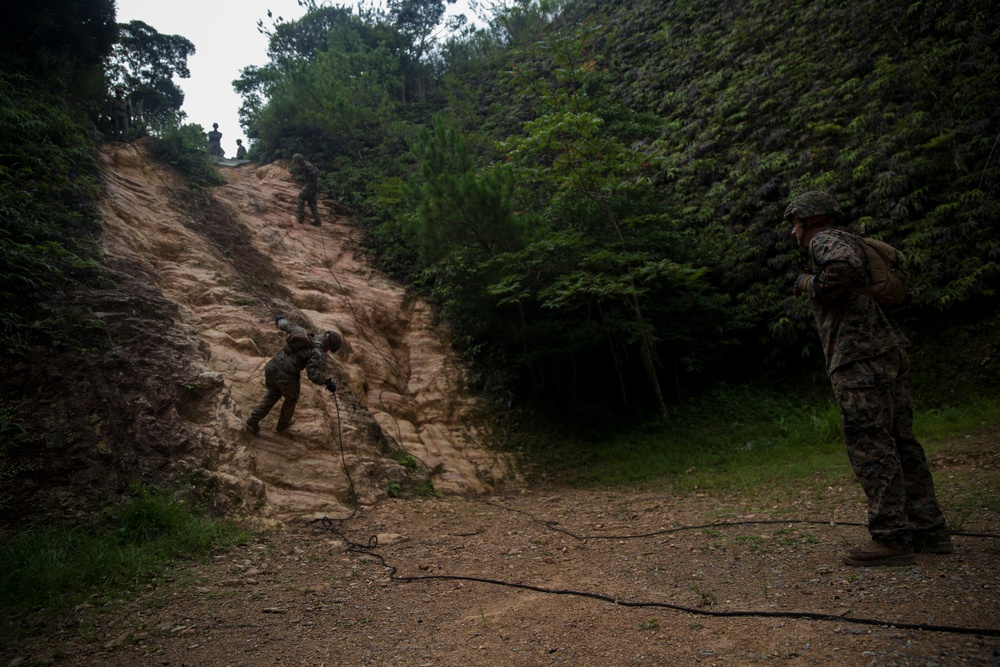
(197, 279)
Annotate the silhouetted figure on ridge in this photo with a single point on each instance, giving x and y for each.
(215, 141)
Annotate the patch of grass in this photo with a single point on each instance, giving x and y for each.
(737, 439)
(15, 440)
(405, 459)
(970, 491)
(936, 425)
(734, 438)
(707, 598)
(54, 567)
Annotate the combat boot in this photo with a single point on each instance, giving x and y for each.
(934, 543)
(283, 425)
(877, 553)
(253, 426)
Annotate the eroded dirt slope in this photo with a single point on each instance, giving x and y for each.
(232, 257)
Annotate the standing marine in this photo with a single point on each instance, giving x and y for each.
(302, 350)
(867, 363)
(306, 173)
(121, 115)
(215, 141)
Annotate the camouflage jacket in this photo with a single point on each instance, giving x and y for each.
(851, 326)
(307, 173)
(302, 350)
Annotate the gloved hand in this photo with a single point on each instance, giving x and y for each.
(278, 317)
(330, 386)
(802, 283)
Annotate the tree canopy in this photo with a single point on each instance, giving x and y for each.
(593, 191)
(143, 63)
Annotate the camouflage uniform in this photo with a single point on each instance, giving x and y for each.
(215, 141)
(867, 364)
(281, 374)
(121, 115)
(308, 173)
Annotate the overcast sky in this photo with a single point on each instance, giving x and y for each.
(225, 37)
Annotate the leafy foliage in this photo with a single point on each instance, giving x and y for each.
(334, 100)
(597, 202)
(897, 125)
(56, 567)
(47, 188)
(144, 62)
(14, 438)
(183, 148)
(62, 43)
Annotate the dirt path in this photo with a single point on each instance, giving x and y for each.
(303, 597)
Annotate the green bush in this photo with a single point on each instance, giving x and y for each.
(55, 566)
(14, 438)
(183, 147)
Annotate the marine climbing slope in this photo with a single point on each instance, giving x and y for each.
(230, 258)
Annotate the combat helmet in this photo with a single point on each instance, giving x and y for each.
(333, 340)
(813, 204)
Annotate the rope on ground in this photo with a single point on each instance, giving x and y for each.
(369, 550)
(552, 525)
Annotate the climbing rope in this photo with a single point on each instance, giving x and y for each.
(369, 550)
(328, 265)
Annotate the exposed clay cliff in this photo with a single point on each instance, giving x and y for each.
(198, 277)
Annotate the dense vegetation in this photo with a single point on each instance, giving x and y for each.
(52, 82)
(59, 61)
(592, 190)
(129, 544)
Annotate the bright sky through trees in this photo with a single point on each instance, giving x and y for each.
(226, 39)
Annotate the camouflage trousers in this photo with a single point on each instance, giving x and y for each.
(877, 416)
(308, 196)
(277, 387)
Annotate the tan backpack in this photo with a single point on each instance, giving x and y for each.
(889, 282)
